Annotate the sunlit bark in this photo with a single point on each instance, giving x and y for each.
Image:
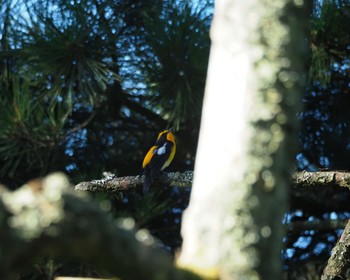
(232, 228)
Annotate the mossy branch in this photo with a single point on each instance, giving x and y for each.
(111, 183)
(47, 218)
(321, 179)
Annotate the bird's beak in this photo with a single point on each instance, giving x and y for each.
(170, 129)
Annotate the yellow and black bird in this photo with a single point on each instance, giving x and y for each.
(158, 157)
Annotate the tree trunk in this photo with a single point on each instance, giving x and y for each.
(338, 264)
(232, 228)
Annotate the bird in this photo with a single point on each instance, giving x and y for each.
(159, 156)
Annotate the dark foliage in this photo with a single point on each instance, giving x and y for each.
(85, 87)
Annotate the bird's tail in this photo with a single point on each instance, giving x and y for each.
(148, 180)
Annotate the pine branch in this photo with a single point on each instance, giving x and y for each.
(136, 107)
(83, 124)
(321, 179)
(296, 227)
(111, 183)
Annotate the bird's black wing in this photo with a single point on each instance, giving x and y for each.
(160, 156)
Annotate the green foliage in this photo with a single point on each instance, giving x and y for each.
(70, 55)
(81, 91)
(329, 38)
(104, 77)
(29, 131)
(144, 209)
(180, 45)
(320, 63)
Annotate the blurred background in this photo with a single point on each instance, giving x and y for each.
(85, 87)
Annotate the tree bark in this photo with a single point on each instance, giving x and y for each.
(338, 264)
(112, 184)
(334, 178)
(46, 218)
(300, 180)
(232, 228)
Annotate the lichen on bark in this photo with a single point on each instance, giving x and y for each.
(234, 222)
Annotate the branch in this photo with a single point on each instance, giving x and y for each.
(338, 264)
(321, 179)
(111, 183)
(47, 218)
(299, 226)
(83, 124)
(149, 114)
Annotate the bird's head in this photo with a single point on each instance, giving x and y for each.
(168, 134)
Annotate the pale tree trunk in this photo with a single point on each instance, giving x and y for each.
(232, 228)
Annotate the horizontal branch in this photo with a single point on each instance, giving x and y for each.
(111, 183)
(294, 227)
(321, 179)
